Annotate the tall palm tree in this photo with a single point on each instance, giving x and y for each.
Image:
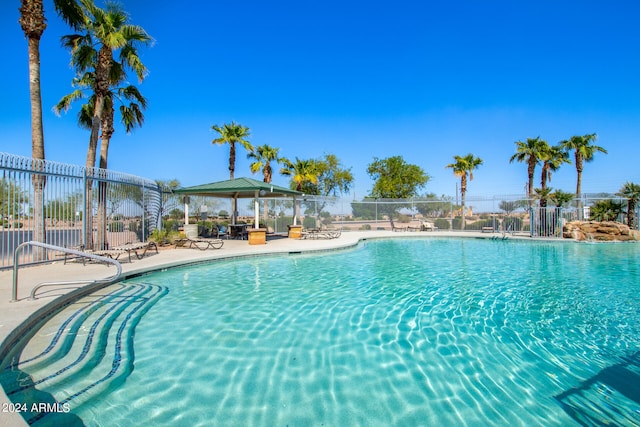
(33, 25)
(132, 103)
(103, 34)
(301, 172)
(463, 168)
(529, 152)
(631, 192)
(552, 158)
(263, 156)
(584, 151)
(232, 133)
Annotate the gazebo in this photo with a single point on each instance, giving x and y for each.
(239, 188)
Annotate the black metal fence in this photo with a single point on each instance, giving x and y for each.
(70, 206)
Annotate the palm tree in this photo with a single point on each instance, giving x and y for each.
(463, 167)
(33, 25)
(263, 156)
(232, 133)
(606, 210)
(560, 198)
(301, 172)
(131, 101)
(529, 152)
(104, 33)
(552, 158)
(631, 192)
(584, 152)
(131, 105)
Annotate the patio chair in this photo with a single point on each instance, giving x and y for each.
(221, 231)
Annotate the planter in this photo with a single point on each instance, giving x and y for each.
(295, 231)
(257, 236)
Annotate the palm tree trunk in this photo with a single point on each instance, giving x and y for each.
(463, 192)
(631, 214)
(33, 25)
(37, 149)
(579, 185)
(107, 132)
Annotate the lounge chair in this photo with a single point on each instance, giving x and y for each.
(428, 226)
(320, 233)
(134, 247)
(202, 243)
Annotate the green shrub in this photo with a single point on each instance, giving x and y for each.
(309, 222)
(441, 223)
(365, 227)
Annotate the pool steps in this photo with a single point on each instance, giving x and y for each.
(91, 351)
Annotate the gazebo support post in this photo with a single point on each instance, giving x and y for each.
(256, 211)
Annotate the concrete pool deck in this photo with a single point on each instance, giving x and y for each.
(14, 314)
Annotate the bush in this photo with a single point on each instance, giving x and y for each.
(402, 218)
(309, 222)
(365, 227)
(441, 223)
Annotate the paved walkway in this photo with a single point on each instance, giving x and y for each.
(12, 314)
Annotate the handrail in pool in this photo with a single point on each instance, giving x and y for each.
(14, 293)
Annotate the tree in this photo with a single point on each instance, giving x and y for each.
(132, 103)
(463, 168)
(511, 206)
(104, 34)
(332, 180)
(301, 172)
(560, 198)
(631, 192)
(232, 133)
(394, 178)
(606, 210)
(552, 158)
(33, 25)
(529, 152)
(263, 156)
(583, 152)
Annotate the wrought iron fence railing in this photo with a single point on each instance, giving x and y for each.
(70, 206)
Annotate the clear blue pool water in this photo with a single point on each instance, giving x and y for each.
(394, 332)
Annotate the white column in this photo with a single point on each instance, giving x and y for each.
(256, 211)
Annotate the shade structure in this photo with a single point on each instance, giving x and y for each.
(239, 188)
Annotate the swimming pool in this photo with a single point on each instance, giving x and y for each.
(393, 332)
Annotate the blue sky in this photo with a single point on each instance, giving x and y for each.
(426, 80)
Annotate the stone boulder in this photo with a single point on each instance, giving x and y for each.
(600, 231)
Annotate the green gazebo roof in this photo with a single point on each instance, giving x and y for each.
(238, 188)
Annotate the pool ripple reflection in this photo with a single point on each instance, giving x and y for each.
(420, 332)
